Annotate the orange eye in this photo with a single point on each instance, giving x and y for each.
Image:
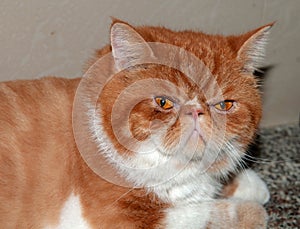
(164, 103)
(224, 105)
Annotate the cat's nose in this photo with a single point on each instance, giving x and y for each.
(195, 113)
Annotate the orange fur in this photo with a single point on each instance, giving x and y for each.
(36, 148)
(40, 165)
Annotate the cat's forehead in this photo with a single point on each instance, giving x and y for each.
(173, 84)
(214, 51)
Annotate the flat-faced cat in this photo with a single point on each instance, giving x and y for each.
(173, 121)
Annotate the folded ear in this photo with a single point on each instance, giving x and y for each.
(128, 46)
(250, 47)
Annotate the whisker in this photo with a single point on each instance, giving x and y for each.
(250, 158)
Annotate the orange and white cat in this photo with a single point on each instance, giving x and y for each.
(173, 138)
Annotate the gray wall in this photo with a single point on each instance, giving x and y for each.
(40, 37)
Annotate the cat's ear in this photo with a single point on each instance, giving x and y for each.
(128, 46)
(250, 47)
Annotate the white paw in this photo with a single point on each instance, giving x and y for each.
(251, 187)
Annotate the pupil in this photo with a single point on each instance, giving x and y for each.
(223, 105)
(162, 102)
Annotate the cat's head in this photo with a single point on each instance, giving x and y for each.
(180, 99)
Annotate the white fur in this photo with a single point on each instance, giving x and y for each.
(194, 102)
(71, 215)
(188, 216)
(251, 187)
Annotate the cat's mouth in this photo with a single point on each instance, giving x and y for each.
(194, 145)
(196, 136)
(197, 133)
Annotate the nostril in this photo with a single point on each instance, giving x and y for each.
(199, 112)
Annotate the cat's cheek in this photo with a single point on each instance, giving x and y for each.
(172, 137)
(241, 126)
(145, 121)
(140, 130)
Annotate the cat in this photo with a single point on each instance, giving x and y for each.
(144, 139)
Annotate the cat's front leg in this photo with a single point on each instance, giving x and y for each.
(235, 214)
(218, 214)
(247, 186)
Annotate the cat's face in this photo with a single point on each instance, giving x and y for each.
(160, 113)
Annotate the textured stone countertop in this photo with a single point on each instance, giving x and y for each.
(278, 163)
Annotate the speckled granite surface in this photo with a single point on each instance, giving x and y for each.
(279, 166)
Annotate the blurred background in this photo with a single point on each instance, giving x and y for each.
(39, 38)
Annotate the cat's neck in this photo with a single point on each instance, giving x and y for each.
(187, 187)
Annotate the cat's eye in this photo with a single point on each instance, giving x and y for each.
(164, 103)
(225, 105)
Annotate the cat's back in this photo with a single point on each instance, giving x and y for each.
(35, 148)
(28, 106)
(20, 94)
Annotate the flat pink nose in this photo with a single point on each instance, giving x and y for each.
(195, 113)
